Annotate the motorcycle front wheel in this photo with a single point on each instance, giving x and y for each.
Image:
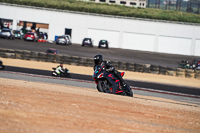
(102, 86)
(2, 67)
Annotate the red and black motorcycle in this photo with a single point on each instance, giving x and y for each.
(108, 83)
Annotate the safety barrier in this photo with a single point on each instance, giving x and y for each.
(180, 72)
(197, 74)
(83, 61)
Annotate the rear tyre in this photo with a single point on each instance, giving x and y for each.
(129, 91)
(68, 75)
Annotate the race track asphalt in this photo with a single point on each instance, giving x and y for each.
(136, 84)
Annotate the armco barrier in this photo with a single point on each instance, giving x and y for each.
(180, 72)
(138, 67)
(83, 61)
(146, 68)
(197, 74)
(42, 56)
(115, 64)
(50, 58)
(90, 62)
(26, 55)
(171, 71)
(122, 65)
(65, 59)
(34, 56)
(75, 60)
(18, 54)
(163, 70)
(130, 66)
(154, 69)
(57, 59)
(189, 73)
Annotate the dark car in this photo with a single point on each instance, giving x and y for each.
(87, 41)
(31, 36)
(184, 65)
(52, 51)
(103, 43)
(18, 34)
(6, 33)
(63, 40)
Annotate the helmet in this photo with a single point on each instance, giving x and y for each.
(61, 65)
(98, 59)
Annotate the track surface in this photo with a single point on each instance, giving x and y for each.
(136, 84)
(160, 59)
(184, 99)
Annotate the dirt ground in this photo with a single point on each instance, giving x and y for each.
(48, 108)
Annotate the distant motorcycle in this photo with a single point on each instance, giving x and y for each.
(66, 73)
(106, 82)
(1, 65)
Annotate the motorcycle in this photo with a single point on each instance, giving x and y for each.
(108, 83)
(66, 73)
(1, 65)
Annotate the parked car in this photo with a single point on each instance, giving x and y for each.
(52, 51)
(87, 41)
(18, 34)
(103, 43)
(31, 36)
(6, 33)
(63, 40)
(184, 65)
(195, 63)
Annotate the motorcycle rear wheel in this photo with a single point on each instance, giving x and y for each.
(129, 91)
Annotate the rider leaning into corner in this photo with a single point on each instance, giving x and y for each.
(60, 69)
(98, 60)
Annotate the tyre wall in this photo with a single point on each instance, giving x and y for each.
(88, 62)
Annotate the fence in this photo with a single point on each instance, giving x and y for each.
(83, 61)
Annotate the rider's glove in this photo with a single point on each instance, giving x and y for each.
(110, 69)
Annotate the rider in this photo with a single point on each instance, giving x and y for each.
(60, 69)
(98, 60)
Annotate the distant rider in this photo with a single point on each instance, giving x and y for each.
(60, 69)
(98, 60)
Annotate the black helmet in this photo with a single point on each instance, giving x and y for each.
(98, 59)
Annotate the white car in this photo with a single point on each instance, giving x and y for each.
(65, 39)
(6, 33)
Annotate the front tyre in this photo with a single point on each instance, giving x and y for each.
(2, 67)
(102, 86)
